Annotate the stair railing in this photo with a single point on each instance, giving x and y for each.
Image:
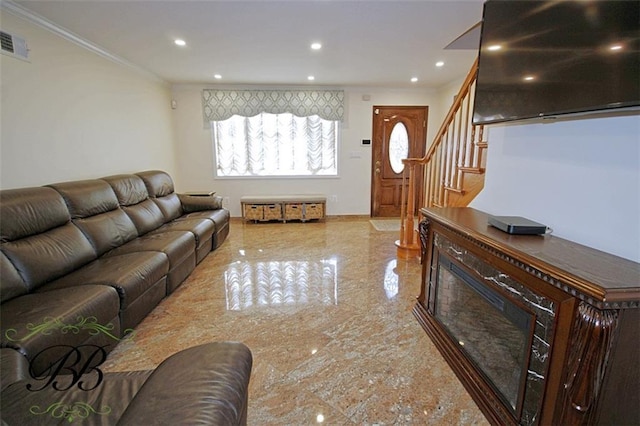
(456, 149)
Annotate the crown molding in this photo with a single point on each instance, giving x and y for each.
(42, 22)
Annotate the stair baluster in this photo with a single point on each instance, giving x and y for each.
(453, 167)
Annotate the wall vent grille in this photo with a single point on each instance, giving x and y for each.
(13, 46)
(7, 41)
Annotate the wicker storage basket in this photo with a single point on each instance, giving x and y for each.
(273, 212)
(253, 212)
(293, 211)
(314, 211)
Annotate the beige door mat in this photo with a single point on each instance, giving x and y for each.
(392, 225)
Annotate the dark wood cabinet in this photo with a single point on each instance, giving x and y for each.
(540, 330)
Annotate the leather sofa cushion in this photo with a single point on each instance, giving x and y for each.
(129, 189)
(130, 274)
(11, 283)
(87, 198)
(95, 210)
(160, 188)
(202, 229)
(50, 255)
(134, 199)
(214, 393)
(31, 323)
(219, 217)
(176, 245)
(109, 400)
(39, 243)
(145, 215)
(108, 230)
(170, 206)
(30, 211)
(158, 183)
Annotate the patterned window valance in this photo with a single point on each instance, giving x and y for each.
(220, 105)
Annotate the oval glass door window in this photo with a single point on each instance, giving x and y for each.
(398, 147)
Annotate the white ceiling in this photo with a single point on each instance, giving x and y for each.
(373, 43)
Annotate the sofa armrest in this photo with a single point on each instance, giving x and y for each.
(206, 384)
(195, 203)
(13, 366)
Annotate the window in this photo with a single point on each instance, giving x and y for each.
(275, 145)
(398, 147)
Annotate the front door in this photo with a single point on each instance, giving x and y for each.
(398, 132)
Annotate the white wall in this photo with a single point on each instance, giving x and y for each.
(70, 114)
(581, 177)
(446, 94)
(352, 187)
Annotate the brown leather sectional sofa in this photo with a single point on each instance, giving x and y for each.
(83, 262)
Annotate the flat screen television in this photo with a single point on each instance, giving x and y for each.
(548, 58)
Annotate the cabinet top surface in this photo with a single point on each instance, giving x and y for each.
(606, 277)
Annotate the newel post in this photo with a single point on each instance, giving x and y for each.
(408, 246)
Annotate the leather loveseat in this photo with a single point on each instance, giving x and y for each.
(83, 262)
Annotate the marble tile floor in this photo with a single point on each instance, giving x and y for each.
(326, 310)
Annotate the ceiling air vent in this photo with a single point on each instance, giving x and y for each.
(14, 46)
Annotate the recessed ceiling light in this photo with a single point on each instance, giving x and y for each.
(180, 42)
(311, 78)
(529, 78)
(615, 47)
(316, 46)
(494, 47)
(217, 76)
(439, 64)
(414, 79)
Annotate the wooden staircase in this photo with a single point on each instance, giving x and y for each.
(453, 167)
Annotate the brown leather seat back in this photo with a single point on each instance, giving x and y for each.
(134, 200)
(160, 188)
(38, 237)
(95, 210)
(11, 283)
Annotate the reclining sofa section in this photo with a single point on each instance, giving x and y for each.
(90, 259)
(205, 384)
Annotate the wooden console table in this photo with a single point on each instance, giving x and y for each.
(539, 330)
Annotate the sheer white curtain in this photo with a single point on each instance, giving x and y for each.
(275, 145)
